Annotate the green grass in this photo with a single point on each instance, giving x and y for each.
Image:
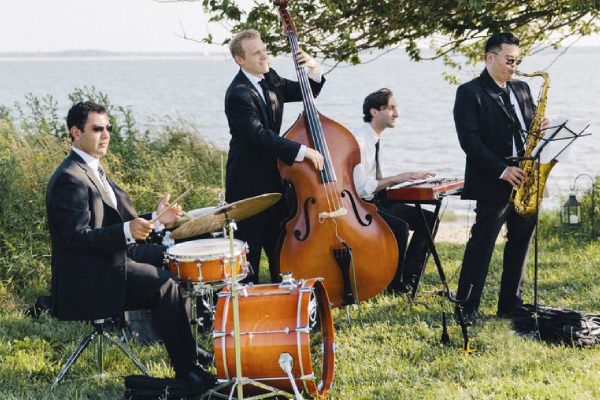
(394, 355)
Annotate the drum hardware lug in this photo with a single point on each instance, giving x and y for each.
(177, 266)
(303, 329)
(332, 347)
(287, 281)
(310, 377)
(199, 266)
(224, 263)
(218, 334)
(320, 386)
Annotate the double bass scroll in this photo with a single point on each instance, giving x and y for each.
(333, 233)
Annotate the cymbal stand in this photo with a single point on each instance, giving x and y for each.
(239, 381)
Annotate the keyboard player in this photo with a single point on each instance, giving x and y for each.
(380, 112)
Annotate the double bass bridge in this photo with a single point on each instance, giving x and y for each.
(340, 212)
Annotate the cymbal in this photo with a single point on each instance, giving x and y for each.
(217, 218)
(188, 216)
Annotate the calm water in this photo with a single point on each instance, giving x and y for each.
(424, 138)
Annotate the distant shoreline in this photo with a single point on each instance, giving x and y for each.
(84, 55)
(92, 55)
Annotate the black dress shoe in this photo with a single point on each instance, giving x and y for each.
(199, 376)
(205, 357)
(506, 314)
(399, 288)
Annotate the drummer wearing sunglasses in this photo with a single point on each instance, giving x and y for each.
(98, 270)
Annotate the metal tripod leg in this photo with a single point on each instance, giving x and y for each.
(82, 345)
(100, 334)
(126, 350)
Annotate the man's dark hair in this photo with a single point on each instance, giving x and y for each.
(78, 114)
(377, 100)
(495, 42)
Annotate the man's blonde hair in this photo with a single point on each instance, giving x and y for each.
(235, 46)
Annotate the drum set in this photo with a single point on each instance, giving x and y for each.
(268, 340)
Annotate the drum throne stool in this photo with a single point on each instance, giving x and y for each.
(98, 335)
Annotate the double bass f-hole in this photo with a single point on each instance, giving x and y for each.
(368, 217)
(297, 232)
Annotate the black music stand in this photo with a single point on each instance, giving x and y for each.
(547, 139)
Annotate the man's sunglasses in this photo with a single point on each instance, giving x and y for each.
(100, 128)
(509, 61)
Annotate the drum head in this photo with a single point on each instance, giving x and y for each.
(206, 249)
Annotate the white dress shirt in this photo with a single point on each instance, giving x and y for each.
(365, 173)
(515, 103)
(254, 80)
(93, 163)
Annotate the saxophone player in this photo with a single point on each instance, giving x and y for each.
(490, 113)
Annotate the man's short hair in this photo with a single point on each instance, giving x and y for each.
(78, 114)
(235, 46)
(495, 42)
(377, 100)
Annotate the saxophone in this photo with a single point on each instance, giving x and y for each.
(524, 197)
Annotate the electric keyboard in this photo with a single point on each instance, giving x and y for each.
(428, 190)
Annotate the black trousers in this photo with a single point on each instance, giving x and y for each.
(401, 218)
(151, 287)
(490, 216)
(262, 231)
(417, 248)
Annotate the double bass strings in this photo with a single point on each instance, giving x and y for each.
(327, 175)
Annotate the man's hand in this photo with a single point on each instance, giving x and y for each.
(412, 176)
(304, 60)
(316, 158)
(170, 216)
(545, 125)
(514, 176)
(140, 228)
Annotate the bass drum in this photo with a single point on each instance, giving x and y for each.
(293, 317)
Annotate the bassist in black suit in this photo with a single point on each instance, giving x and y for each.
(254, 108)
(490, 113)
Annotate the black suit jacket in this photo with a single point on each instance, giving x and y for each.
(484, 130)
(255, 143)
(88, 243)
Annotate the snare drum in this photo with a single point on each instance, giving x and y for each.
(206, 260)
(275, 319)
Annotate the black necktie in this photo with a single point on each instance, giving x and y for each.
(105, 183)
(265, 90)
(377, 166)
(103, 179)
(510, 109)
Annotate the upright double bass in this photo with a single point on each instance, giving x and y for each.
(333, 233)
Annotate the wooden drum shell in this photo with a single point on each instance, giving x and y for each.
(205, 260)
(275, 320)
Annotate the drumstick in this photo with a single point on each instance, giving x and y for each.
(172, 204)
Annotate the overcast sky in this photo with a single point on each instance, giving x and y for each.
(110, 25)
